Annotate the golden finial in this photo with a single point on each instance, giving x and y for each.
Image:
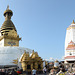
(32, 51)
(73, 22)
(56, 60)
(25, 51)
(8, 7)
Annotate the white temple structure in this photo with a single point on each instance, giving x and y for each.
(70, 44)
(10, 52)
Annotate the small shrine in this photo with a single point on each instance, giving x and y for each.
(32, 61)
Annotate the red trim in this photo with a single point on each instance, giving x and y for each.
(72, 26)
(71, 46)
(71, 43)
(68, 57)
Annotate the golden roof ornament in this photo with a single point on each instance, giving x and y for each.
(56, 60)
(8, 11)
(24, 51)
(15, 61)
(7, 7)
(73, 22)
(33, 51)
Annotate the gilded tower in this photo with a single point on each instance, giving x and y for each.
(8, 32)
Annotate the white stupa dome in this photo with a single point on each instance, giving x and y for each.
(8, 54)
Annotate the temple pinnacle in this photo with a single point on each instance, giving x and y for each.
(8, 24)
(7, 6)
(73, 22)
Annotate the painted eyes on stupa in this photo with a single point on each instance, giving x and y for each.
(11, 43)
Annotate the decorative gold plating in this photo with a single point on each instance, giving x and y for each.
(9, 36)
(34, 60)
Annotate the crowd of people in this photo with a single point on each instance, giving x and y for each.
(61, 70)
(9, 72)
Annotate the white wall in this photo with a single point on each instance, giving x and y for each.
(2, 43)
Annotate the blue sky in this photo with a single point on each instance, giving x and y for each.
(41, 24)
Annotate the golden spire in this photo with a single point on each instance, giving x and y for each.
(73, 22)
(7, 6)
(32, 51)
(24, 51)
(8, 11)
(8, 24)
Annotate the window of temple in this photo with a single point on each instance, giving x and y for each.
(39, 66)
(28, 66)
